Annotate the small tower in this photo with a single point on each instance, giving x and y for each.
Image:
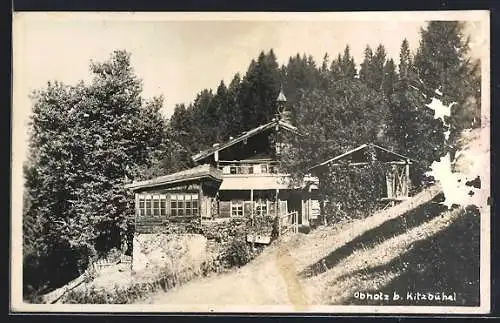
(283, 114)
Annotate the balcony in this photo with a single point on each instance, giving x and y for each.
(246, 175)
(269, 168)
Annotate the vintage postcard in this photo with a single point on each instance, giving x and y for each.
(251, 162)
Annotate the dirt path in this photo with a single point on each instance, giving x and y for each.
(261, 282)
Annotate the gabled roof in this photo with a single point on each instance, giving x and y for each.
(198, 172)
(244, 135)
(363, 146)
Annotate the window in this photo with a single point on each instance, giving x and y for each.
(184, 204)
(148, 206)
(263, 168)
(156, 205)
(152, 205)
(163, 206)
(142, 210)
(261, 208)
(236, 208)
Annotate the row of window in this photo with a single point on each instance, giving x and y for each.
(184, 204)
(237, 208)
(156, 204)
(250, 169)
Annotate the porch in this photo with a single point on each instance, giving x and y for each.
(229, 204)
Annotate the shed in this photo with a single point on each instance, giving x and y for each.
(397, 179)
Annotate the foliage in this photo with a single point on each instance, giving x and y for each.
(87, 141)
(353, 192)
(392, 103)
(385, 107)
(238, 253)
(331, 122)
(442, 63)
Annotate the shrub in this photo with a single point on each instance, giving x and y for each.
(238, 253)
(353, 192)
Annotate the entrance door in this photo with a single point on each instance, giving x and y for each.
(295, 204)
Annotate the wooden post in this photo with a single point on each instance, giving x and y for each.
(254, 232)
(251, 201)
(276, 208)
(309, 206)
(137, 211)
(200, 200)
(407, 173)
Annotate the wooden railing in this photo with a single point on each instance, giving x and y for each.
(104, 263)
(93, 268)
(289, 223)
(235, 168)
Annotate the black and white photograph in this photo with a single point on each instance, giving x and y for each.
(252, 162)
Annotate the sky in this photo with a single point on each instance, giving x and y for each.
(177, 59)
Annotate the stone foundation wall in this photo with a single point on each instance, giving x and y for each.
(173, 225)
(153, 252)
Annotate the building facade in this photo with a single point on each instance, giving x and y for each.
(240, 178)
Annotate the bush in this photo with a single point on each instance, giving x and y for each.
(238, 253)
(46, 271)
(353, 192)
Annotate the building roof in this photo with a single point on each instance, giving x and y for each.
(359, 148)
(244, 135)
(195, 173)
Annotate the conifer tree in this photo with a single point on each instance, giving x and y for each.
(258, 90)
(413, 127)
(390, 78)
(377, 68)
(348, 66)
(445, 71)
(336, 67)
(365, 70)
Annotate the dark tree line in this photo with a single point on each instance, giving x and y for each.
(384, 101)
(88, 140)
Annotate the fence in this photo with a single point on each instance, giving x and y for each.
(103, 263)
(288, 223)
(94, 268)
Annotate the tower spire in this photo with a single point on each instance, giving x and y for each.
(281, 99)
(281, 105)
